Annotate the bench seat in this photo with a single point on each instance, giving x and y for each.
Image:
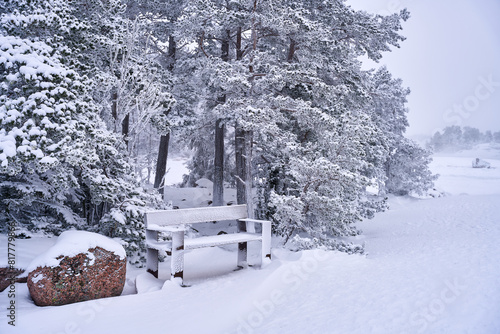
(207, 241)
(221, 240)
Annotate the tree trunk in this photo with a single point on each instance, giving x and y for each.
(239, 143)
(248, 172)
(240, 174)
(291, 50)
(114, 108)
(161, 162)
(218, 188)
(125, 129)
(172, 47)
(239, 51)
(248, 135)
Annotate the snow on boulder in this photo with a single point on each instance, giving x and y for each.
(478, 163)
(204, 183)
(80, 266)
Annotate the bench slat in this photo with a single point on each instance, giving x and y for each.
(208, 241)
(196, 215)
(219, 240)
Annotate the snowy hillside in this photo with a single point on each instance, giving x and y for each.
(432, 267)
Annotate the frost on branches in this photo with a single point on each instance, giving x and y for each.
(403, 169)
(274, 89)
(321, 129)
(42, 131)
(59, 166)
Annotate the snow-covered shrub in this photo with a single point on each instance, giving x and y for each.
(407, 169)
(299, 243)
(42, 130)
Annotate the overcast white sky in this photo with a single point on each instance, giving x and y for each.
(450, 61)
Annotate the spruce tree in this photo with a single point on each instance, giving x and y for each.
(61, 167)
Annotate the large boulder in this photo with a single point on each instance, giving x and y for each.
(80, 266)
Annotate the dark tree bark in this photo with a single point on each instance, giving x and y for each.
(239, 50)
(248, 170)
(239, 142)
(240, 173)
(114, 108)
(125, 128)
(291, 50)
(218, 188)
(161, 162)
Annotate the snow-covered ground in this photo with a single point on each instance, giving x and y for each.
(176, 168)
(433, 266)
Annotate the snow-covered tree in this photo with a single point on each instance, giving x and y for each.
(60, 166)
(278, 83)
(487, 137)
(133, 91)
(454, 138)
(400, 165)
(496, 137)
(294, 87)
(407, 169)
(41, 120)
(470, 136)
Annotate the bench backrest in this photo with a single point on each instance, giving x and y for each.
(195, 215)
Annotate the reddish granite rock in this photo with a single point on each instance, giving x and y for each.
(95, 273)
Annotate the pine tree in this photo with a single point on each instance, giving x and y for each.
(295, 84)
(401, 166)
(59, 161)
(407, 169)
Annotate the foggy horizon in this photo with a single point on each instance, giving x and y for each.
(449, 61)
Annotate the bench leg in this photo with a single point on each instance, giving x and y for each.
(266, 243)
(177, 259)
(242, 247)
(152, 254)
(242, 255)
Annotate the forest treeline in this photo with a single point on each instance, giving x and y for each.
(270, 96)
(454, 138)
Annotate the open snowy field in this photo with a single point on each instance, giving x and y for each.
(433, 266)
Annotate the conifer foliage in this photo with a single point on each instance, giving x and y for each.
(321, 129)
(60, 166)
(89, 87)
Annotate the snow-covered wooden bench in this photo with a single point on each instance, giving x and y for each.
(175, 221)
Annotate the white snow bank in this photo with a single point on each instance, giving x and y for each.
(204, 183)
(432, 267)
(72, 243)
(458, 178)
(145, 282)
